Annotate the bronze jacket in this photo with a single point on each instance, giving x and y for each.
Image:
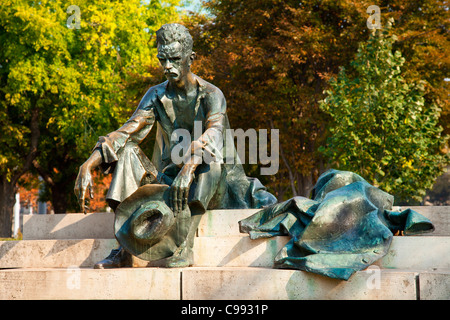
(122, 156)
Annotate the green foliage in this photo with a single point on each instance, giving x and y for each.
(273, 59)
(73, 78)
(382, 128)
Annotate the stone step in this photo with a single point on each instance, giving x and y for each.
(54, 253)
(214, 223)
(435, 285)
(273, 284)
(68, 226)
(223, 283)
(231, 251)
(77, 284)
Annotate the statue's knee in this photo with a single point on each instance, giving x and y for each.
(213, 169)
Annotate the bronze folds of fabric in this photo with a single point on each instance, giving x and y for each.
(344, 228)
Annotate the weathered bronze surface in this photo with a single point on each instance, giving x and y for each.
(346, 226)
(146, 227)
(180, 103)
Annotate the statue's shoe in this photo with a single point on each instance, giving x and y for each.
(118, 258)
(183, 257)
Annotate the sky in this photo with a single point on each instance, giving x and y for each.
(194, 5)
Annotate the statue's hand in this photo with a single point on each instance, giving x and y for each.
(179, 191)
(82, 184)
(84, 179)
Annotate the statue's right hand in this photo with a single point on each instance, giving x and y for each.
(82, 184)
(84, 179)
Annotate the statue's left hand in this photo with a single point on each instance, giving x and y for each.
(179, 191)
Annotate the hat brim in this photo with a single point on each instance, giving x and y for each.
(146, 227)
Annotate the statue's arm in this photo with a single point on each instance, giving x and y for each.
(133, 131)
(108, 147)
(210, 143)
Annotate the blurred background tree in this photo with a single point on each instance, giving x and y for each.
(62, 86)
(382, 128)
(273, 60)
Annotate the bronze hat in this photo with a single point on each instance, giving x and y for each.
(146, 227)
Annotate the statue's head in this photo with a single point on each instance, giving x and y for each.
(175, 50)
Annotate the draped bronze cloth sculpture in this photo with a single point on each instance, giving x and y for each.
(346, 226)
(180, 103)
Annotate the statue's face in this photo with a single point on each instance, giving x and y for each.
(175, 62)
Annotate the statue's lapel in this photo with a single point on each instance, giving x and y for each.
(165, 106)
(200, 96)
(165, 110)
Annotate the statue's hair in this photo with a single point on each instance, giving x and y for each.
(172, 32)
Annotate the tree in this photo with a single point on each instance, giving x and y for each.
(382, 127)
(61, 87)
(273, 59)
(423, 34)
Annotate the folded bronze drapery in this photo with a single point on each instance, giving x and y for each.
(346, 226)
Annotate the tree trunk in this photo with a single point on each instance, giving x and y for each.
(59, 197)
(60, 190)
(9, 188)
(7, 200)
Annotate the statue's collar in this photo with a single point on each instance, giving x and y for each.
(201, 88)
(166, 104)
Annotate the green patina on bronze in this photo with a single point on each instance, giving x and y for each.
(346, 226)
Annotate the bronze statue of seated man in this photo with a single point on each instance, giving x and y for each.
(195, 185)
